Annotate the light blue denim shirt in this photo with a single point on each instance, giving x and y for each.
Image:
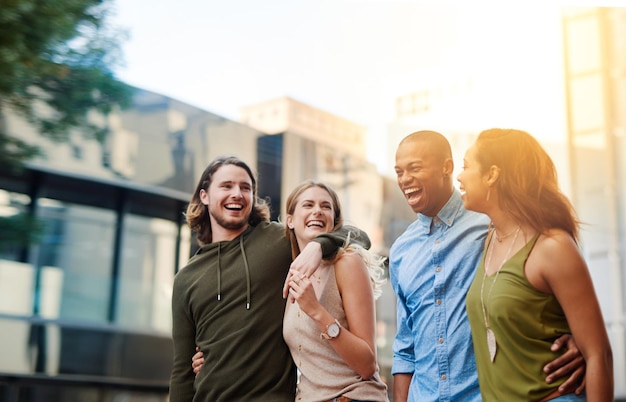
(431, 266)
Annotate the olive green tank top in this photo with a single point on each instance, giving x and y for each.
(525, 322)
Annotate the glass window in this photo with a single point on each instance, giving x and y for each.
(587, 104)
(15, 347)
(75, 257)
(582, 44)
(60, 393)
(15, 227)
(17, 281)
(16, 278)
(146, 275)
(186, 250)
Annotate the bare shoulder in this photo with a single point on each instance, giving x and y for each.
(349, 259)
(554, 243)
(555, 256)
(352, 276)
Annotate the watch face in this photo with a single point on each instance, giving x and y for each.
(333, 330)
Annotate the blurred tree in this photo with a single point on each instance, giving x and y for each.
(57, 56)
(56, 67)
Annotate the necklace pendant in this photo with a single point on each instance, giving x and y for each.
(491, 344)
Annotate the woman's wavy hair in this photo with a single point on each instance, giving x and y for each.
(373, 262)
(197, 214)
(527, 185)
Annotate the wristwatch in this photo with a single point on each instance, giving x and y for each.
(332, 330)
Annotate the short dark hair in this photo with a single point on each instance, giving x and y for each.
(439, 143)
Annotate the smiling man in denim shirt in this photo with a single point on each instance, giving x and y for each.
(431, 266)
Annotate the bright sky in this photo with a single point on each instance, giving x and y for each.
(349, 57)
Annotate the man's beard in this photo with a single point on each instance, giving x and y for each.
(229, 224)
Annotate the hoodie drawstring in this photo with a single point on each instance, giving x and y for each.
(245, 264)
(219, 272)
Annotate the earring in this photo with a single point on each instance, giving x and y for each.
(488, 193)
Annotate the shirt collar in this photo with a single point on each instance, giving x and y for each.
(446, 215)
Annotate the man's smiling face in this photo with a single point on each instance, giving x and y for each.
(423, 177)
(229, 198)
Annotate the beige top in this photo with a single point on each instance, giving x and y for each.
(324, 375)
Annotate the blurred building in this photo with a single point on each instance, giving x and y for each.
(287, 114)
(310, 143)
(85, 313)
(595, 82)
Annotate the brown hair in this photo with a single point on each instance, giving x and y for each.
(291, 207)
(527, 184)
(197, 214)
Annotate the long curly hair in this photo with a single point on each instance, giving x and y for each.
(527, 185)
(197, 214)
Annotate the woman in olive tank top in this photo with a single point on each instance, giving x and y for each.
(532, 284)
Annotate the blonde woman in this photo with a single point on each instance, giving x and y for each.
(330, 326)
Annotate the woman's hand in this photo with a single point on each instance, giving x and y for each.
(305, 264)
(301, 290)
(197, 360)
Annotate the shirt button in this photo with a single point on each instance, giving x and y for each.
(438, 301)
(438, 269)
(440, 340)
(443, 377)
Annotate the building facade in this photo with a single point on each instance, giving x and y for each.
(595, 82)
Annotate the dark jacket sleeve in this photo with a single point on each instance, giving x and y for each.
(331, 242)
(183, 339)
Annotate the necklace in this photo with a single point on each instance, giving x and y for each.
(491, 337)
(322, 272)
(500, 238)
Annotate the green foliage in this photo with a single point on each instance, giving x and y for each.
(58, 53)
(19, 231)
